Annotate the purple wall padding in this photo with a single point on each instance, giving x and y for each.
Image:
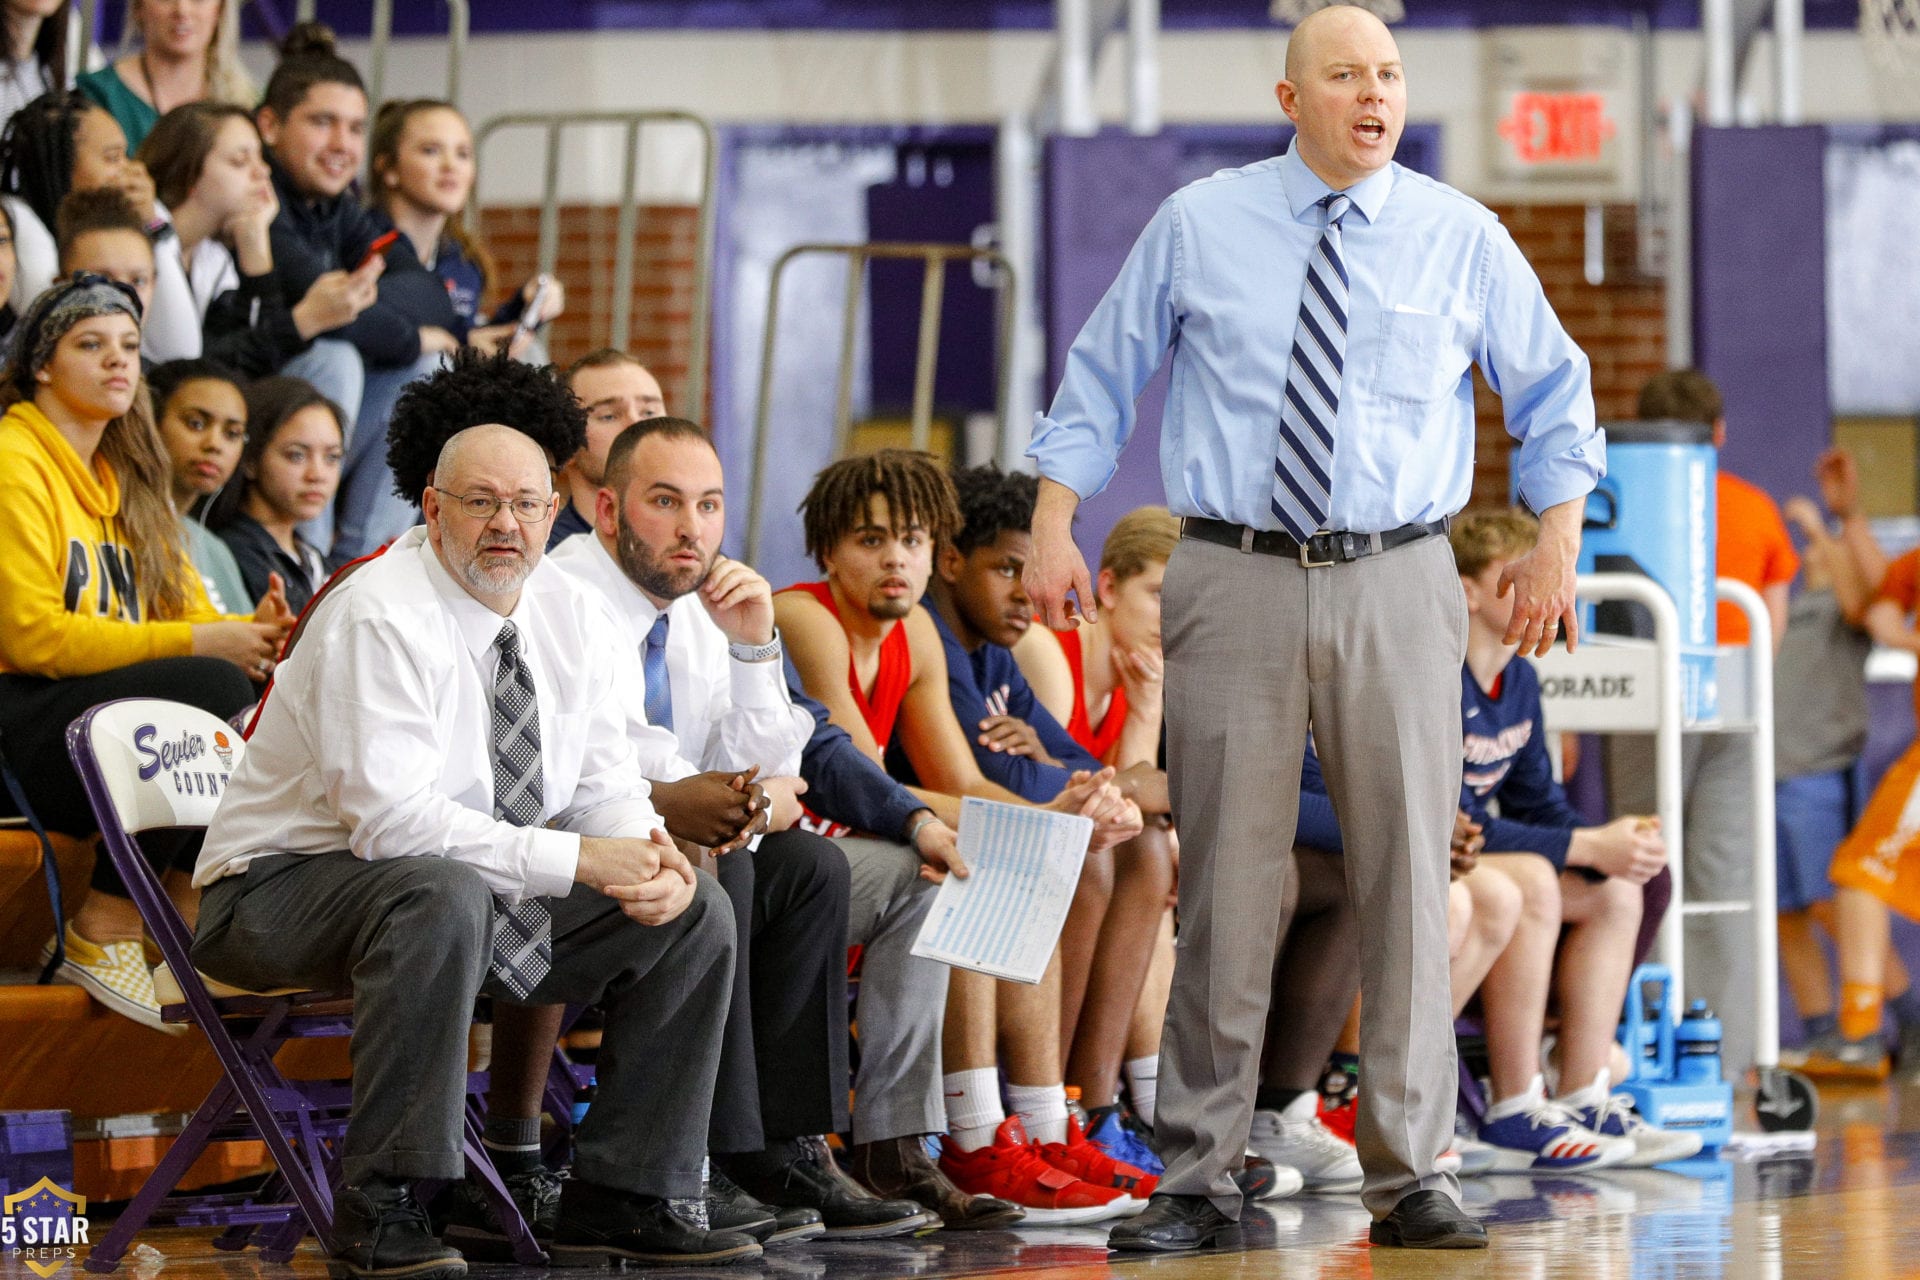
(1092, 217)
(1760, 290)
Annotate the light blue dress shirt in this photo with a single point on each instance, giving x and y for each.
(1437, 286)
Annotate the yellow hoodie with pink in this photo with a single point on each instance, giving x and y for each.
(68, 602)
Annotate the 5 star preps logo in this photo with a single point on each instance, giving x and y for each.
(43, 1227)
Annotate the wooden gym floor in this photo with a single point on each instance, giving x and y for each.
(1849, 1210)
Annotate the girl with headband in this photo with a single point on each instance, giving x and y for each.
(98, 600)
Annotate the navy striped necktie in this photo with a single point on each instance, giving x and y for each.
(1303, 463)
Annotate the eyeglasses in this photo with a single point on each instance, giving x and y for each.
(483, 506)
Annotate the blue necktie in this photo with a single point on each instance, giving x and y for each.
(654, 668)
(1303, 464)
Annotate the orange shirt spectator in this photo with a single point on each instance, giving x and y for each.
(1754, 548)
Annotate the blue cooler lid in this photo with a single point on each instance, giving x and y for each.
(1658, 431)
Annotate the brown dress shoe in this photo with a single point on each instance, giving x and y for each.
(900, 1168)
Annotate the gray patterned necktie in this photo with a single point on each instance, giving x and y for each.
(522, 934)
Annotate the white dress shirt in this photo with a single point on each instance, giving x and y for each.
(377, 735)
(727, 714)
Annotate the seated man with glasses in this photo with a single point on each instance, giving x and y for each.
(442, 798)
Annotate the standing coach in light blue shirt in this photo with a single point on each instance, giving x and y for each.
(1324, 310)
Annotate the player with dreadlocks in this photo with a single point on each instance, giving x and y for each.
(864, 648)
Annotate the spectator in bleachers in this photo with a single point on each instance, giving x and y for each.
(442, 798)
(9, 318)
(211, 175)
(314, 120)
(421, 162)
(1104, 683)
(1585, 879)
(616, 391)
(1820, 718)
(97, 597)
(61, 142)
(876, 661)
(1716, 768)
(289, 471)
(189, 51)
(700, 628)
(98, 231)
(33, 51)
(203, 423)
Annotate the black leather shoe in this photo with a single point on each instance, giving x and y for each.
(469, 1223)
(731, 1209)
(600, 1226)
(1428, 1220)
(380, 1232)
(810, 1179)
(1169, 1224)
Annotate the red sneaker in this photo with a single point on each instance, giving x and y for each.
(1340, 1119)
(1089, 1163)
(1012, 1168)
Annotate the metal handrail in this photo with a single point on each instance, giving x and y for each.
(935, 258)
(554, 123)
(380, 35)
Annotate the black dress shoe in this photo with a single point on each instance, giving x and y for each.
(380, 1232)
(1169, 1224)
(600, 1226)
(468, 1221)
(802, 1173)
(1428, 1220)
(731, 1209)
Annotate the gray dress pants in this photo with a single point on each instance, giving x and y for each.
(903, 997)
(411, 938)
(1369, 653)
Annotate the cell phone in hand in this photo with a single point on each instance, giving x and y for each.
(378, 249)
(525, 325)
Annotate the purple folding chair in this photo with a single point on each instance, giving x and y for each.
(147, 765)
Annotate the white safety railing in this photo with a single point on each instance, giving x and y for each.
(1602, 689)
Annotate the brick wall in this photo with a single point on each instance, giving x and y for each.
(1619, 324)
(663, 282)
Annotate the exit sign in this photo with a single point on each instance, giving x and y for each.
(1562, 114)
(1558, 128)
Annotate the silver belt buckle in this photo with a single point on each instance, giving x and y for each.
(1306, 561)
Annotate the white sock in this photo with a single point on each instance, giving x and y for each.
(1042, 1108)
(1143, 1084)
(973, 1107)
(1519, 1102)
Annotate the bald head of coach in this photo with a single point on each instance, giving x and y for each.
(1316, 451)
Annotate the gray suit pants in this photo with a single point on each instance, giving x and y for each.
(412, 939)
(903, 998)
(1369, 654)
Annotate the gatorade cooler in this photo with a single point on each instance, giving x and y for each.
(1653, 513)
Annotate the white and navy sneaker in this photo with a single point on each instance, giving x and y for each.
(1612, 1115)
(1531, 1134)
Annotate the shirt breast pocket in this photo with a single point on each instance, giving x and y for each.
(1420, 357)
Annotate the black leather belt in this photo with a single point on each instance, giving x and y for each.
(1317, 552)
